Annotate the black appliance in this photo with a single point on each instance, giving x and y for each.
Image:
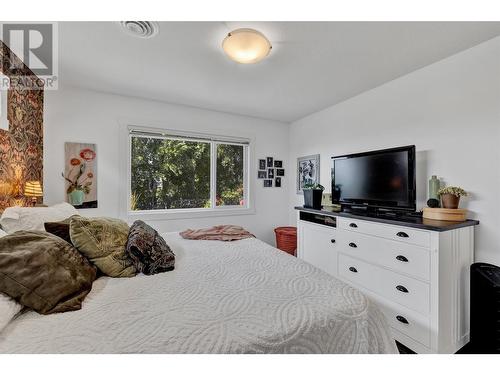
(330, 221)
(376, 181)
(484, 308)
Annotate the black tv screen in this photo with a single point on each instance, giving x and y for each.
(384, 178)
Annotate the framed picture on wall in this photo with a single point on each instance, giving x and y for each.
(270, 173)
(278, 164)
(80, 174)
(277, 182)
(280, 172)
(269, 162)
(307, 171)
(268, 183)
(262, 164)
(261, 174)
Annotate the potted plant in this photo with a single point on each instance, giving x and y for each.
(313, 194)
(450, 196)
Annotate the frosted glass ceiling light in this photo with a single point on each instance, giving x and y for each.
(246, 46)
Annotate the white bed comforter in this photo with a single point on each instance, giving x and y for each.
(223, 297)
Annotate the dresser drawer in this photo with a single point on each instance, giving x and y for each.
(387, 231)
(395, 287)
(407, 322)
(404, 258)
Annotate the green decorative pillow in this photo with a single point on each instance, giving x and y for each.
(44, 272)
(102, 240)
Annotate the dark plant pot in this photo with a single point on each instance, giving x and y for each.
(450, 201)
(312, 198)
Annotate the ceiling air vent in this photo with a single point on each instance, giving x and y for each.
(140, 29)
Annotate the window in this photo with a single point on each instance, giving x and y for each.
(230, 175)
(184, 171)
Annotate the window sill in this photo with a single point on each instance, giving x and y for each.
(178, 214)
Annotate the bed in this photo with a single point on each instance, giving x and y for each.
(223, 297)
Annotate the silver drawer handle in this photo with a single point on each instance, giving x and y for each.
(402, 235)
(353, 225)
(352, 244)
(352, 269)
(332, 240)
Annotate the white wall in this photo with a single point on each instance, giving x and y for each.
(73, 115)
(450, 110)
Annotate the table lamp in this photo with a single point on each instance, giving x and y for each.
(33, 189)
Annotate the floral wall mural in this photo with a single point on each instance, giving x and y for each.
(21, 147)
(80, 173)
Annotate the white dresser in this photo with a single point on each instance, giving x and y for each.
(416, 270)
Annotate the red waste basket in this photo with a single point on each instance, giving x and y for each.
(286, 239)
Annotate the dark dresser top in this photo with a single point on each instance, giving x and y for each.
(404, 221)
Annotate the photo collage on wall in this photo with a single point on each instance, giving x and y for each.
(271, 171)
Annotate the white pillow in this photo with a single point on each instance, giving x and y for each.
(32, 218)
(8, 310)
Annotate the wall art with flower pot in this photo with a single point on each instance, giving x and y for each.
(80, 174)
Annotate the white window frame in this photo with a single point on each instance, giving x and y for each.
(185, 213)
(4, 94)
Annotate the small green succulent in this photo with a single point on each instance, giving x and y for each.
(453, 190)
(310, 186)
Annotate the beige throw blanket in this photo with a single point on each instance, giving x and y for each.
(217, 233)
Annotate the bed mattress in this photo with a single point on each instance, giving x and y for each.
(223, 297)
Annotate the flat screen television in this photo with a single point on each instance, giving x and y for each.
(382, 180)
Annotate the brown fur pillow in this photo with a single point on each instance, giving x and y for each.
(59, 228)
(44, 272)
(148, 250)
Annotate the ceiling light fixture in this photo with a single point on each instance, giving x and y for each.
(246, 46)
